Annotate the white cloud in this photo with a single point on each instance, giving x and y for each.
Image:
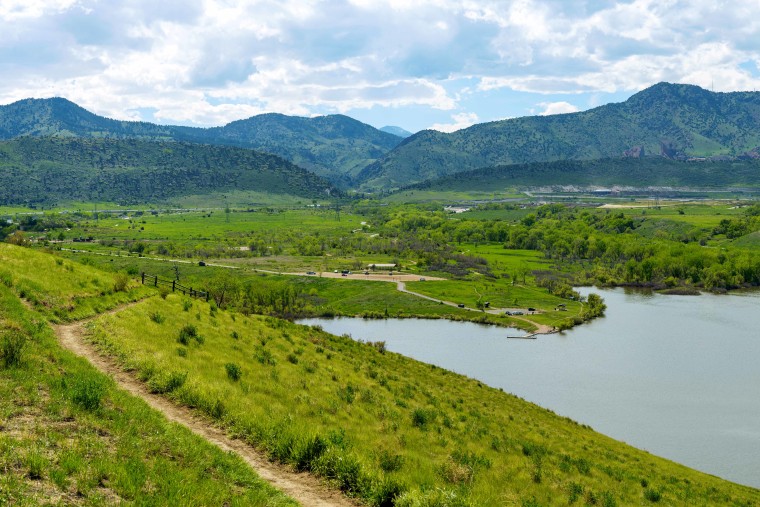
(459, 121)
(13, 10)
(210, 61)
(557, 108)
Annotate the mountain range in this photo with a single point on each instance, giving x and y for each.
(672, 121)
(334, 146)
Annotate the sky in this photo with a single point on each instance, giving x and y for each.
(441, 64)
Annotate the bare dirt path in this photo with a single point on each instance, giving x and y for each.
(541, 328)
(302, 487)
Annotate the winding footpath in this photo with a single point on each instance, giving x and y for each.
(302, 487)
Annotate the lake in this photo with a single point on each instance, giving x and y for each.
(678, 376)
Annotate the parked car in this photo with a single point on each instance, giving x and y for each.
(461, 305)
(201, 263)
(310, 273)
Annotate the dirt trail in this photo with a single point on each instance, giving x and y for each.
(302, 487)
(541, 328)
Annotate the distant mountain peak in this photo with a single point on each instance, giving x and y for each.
(396, 131)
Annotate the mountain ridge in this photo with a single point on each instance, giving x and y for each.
(333, 146)
(679, 121)
(43, 170)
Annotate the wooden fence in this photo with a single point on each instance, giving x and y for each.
(176, 287)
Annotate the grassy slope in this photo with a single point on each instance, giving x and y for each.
(68, 436)
(433, 431)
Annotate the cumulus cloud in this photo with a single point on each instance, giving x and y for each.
(459, 121)
(207, 62)
(561, 107)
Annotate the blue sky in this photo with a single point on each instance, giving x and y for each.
(440, 64)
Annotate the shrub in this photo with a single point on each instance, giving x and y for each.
(348, 394)
(157, 317)
(120, 282)
(421, 417)
(386, 493)
(37, 465)
(652, 495)
(163, 291)
(293, 358)
(379, 346)
(575, 492)
(167, 382)
(186, 305)
(87, 391)
(265, 357)
(308, 452)
(390, 462)
(187, 333)
(12, 344)
(233, 371)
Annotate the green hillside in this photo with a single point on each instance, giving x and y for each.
(68, 435)
(47, 170)
(640, 173)
(374, 424)
(334, 146)
(679, 120)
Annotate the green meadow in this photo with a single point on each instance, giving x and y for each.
(68, 435)
(381, 428)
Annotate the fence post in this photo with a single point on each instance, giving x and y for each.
(143, 278)
(173, 284)
(155, 283)
(206, 296)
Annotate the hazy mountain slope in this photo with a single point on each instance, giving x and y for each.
(651, 171)
(333, 146)
(686, 119)
(336, 146)
(396, 131)
(44, 170)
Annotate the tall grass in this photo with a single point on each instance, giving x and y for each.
(69, 437)
(383, 428)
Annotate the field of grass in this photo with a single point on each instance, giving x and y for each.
(698, 215)
(68, 436)
(423, 196)
(380, 426)
(62, 289)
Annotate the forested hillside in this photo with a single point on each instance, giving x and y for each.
(677, 121)
(334, 146)
(640, 173)
(47, 170)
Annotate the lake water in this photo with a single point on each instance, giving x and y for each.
(678, 376)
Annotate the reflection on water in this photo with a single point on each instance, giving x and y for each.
(675, 375)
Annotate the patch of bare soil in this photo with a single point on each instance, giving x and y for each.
(304, 488)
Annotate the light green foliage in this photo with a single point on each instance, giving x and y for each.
(63, 290)
(69, 437)
(381, 426)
